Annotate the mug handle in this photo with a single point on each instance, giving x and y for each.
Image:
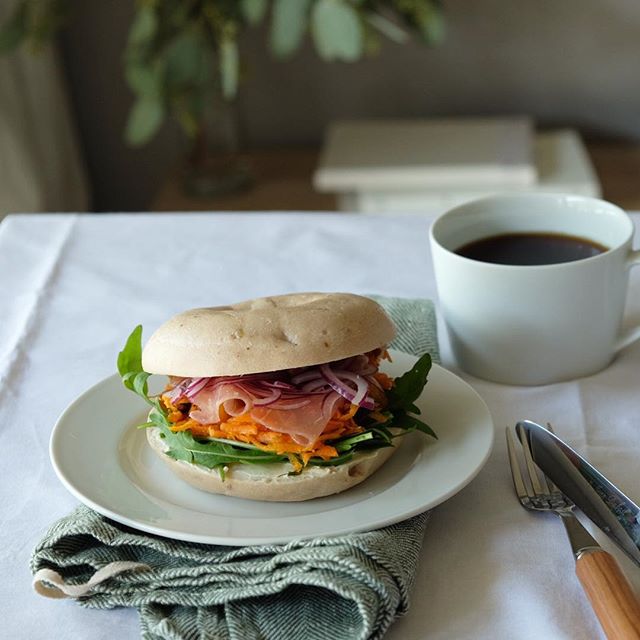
(632, 334)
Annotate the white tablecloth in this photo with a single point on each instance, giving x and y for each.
(74, 286)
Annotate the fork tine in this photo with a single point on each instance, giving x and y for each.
(538, 481)
(516, 473)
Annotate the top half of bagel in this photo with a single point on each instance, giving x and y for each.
(267, 334)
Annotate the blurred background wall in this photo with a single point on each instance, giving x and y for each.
(573, 62)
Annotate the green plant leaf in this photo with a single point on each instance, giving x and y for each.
(144, 25)
(144, 120)
(184, 58)
(253, 10)
(387, 28)
(289, 21)
(426, 18)
(143, 79)
(187, 113)
(337, 30)
(431, 24)
(14, 31)
(435, 30)
(229, 67)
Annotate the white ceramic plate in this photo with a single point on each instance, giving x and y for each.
(104, 461)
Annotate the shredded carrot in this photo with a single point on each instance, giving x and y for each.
(197, 429)
(295, 463)
(386, 382)
(242, 428)
(175, 416)
(349, 414)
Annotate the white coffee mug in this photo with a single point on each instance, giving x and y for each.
(532, 325)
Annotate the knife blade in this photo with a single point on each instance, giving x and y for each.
(597, 497)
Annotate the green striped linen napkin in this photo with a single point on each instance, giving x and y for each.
(350, 587)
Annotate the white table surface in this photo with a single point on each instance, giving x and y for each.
(74, 286)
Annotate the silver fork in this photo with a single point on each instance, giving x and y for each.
(540, 494)
(602, 579)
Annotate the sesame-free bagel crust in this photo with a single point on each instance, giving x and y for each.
(267, 334)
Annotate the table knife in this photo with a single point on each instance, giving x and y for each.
(598, 498)
(607, 507)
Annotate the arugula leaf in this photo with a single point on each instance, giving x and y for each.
(383, 433)
(212, 453)
(332, 462)
(408, 387)
(411, 423)
(402, 396)
(346, 444)
(157, 416)
(134, 378)
(130, 358)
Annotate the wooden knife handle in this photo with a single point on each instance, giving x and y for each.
(611, 596)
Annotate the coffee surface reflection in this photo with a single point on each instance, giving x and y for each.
(530, 249)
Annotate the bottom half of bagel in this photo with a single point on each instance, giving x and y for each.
(274, 482)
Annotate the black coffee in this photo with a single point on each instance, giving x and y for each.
(530, 249)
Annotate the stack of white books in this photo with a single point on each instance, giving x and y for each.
(428, 166)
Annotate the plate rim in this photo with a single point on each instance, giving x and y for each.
(183, 535)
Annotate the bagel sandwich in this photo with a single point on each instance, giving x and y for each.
(278, 398)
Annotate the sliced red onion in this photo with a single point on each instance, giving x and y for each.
(270, 399)
(361, 385)
(175, 393)
(350, 378)
(314, 385)
(195, 387)
(336, 380)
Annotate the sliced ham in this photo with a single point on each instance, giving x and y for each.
(299, 403)
(303, 424)
(303, 420)
(233, 398)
